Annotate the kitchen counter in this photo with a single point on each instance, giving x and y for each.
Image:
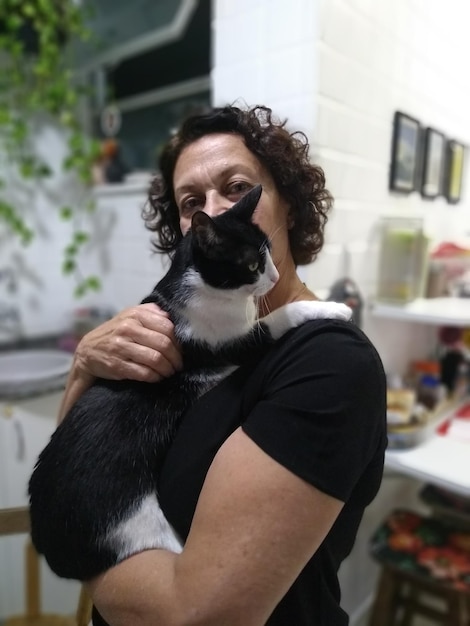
(32, 343)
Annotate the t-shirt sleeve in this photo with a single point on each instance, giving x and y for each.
(322, 405)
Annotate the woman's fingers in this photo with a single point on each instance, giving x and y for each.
(150, 329)
(148, 363)
(139, 343)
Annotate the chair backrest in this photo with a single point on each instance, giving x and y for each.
(14, 521)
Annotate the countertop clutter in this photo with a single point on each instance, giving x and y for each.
(443, 457)
(424, 283)
(429, 389)
(428, 409)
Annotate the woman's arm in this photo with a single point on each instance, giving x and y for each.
(138, 344)
(255, 527)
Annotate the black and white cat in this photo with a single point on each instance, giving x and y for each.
(93, 496)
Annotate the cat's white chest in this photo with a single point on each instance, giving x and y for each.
(218, 322)
(214, 316)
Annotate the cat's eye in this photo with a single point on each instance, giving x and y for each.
(253, 266)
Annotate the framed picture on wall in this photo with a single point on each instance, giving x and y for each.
(405, 153)
(433, 163)
(454, 171)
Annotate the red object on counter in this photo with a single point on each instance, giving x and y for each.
(449, 249)
(462, 417)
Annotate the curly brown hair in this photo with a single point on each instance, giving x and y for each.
(285, 156)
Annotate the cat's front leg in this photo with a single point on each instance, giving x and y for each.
(297, 313)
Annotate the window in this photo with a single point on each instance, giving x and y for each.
(151, 58)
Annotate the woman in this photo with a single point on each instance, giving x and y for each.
(271, 470)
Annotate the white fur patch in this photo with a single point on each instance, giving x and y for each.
(297, 313)
(216, 315)
(147, 528)
(269, 278)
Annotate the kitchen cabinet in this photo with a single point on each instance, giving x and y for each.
(25, 428)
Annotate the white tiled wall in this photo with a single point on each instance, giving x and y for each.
(265, 54)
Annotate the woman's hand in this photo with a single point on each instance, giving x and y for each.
(138, 343)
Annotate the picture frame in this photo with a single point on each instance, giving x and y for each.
(455, 153)
(405, 153)
(434, 158)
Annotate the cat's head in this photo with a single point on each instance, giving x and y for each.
(232, 253)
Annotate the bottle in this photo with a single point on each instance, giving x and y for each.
(461, 381)
(429, 391)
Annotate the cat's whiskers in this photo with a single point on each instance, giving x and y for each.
(262, 304)
(249, 312)
(264, 245)
(273, 233)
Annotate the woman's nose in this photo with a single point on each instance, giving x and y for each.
(216, 204)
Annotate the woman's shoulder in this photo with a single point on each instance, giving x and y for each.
(333, 340)
(333, 329)
(321, 392)
(329, 360)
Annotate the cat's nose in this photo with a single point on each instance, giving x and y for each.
(273, 275)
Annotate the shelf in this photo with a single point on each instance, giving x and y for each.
(437, 311)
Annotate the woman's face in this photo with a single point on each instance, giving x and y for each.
(213, 172)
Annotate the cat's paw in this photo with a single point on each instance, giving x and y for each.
(305, 310)
(332, 310)
(297, 313)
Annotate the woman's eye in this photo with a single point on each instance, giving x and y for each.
(239, 188)
(189, 206)
(253, 267)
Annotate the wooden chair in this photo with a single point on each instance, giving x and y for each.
(449, 507)
(15, 521)
(422, 559)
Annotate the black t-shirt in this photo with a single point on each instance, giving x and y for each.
(316, 403)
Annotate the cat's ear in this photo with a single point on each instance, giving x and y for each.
(204, 229)
(246, 206)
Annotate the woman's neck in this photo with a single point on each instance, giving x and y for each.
(287, 289)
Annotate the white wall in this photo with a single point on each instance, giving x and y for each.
(265, 54)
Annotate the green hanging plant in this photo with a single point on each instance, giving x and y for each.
(36, 81)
